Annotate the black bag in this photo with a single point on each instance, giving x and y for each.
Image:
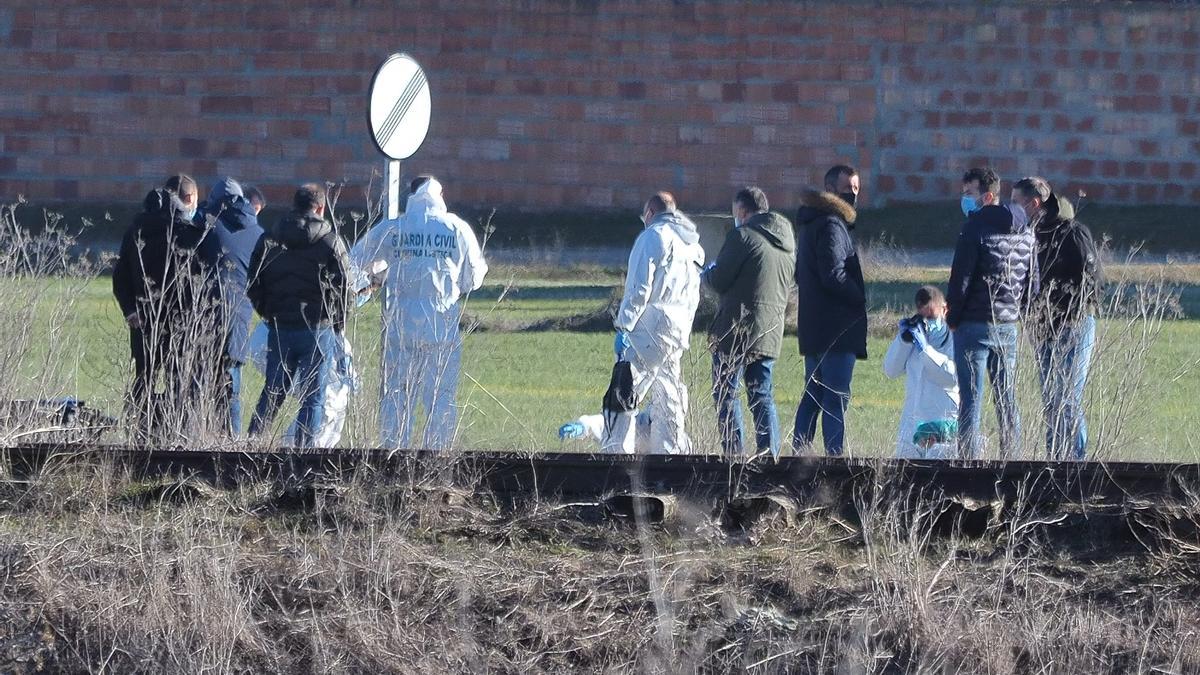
(619, 398)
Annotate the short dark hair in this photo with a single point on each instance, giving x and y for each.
(1033, 187)
(418, 182)
(929, 294)
(836, 172)
(661, 201)
(752, 198)
(182, 185)
(308, 198)
(989, 180)
(254, 195)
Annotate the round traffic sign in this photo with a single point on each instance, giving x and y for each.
(398, 107)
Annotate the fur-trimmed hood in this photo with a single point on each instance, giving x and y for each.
(814, 204)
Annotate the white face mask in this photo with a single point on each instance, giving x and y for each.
(737, 222)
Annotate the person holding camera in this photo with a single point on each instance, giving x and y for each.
(923, 351)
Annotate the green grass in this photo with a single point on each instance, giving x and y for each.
(520, 385)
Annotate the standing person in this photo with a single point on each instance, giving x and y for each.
(165, 283)
(832, 327)
(654, 327)
(1062, 317)
(434, 258)
(753, 276)
(299, 285)
(233, 219)
(994, 266)
(923, 351)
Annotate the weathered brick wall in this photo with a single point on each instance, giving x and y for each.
(553, 103)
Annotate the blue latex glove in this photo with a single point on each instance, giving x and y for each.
(571, 430)
(919, 340)
(621, 344)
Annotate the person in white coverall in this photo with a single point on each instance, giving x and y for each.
(923, 351)
(433, 258)
(654, 326)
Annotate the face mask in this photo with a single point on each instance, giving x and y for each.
(189, 214)
(1020, 218)
(849, 197)
(737, 222)
(968, 205)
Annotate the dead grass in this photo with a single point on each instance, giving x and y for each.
(365, 577)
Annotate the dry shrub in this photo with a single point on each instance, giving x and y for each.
(420, 576)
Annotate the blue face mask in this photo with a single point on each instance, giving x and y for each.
(935, 329)
(968, 205)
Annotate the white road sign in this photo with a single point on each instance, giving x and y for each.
(398, 108)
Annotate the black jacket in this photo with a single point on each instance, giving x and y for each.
(829, 278)
(994, 269)
(753, 275)
(167, 266)
(300, 274)
(237, 231)
(1070, 274)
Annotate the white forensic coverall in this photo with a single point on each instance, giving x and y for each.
(343, 381)
(433, 258)
(662, 290)
(930, 391)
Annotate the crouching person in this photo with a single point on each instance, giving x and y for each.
(923, 351)
(300, 277)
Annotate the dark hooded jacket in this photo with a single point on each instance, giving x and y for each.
(753, 276)
(299, 274)
(232, 220)
(994, 269)
(1070, 274)
(167, 266)
(829, 278)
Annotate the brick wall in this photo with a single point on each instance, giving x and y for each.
(585, 103)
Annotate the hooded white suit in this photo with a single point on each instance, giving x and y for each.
(662, 290)
(930, 391)
(433, 258)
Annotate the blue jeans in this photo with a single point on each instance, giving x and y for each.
(987, 349)
(300, 356)
(826, 396)
(1063, 362)
(233, 393)
(727, 374)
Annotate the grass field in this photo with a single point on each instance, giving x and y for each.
(524, 375)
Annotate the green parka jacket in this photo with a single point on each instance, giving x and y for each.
(753, 275)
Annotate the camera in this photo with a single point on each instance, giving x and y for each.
(912, 323)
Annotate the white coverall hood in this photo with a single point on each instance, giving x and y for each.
(930, 392)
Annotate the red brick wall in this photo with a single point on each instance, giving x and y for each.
(553, 103)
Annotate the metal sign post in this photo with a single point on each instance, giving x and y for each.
(392, 176)
(398, 112)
